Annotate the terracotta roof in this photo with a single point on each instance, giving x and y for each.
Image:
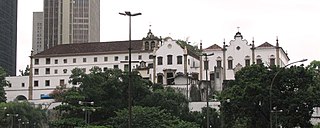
(266, 44)
(215, 46)
(92, 48)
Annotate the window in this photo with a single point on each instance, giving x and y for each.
(36, 61)
(36, 71)
(56, 71)
(169, 59)
(36, 83)
(272, 62)
(65, 71)
(179, 59)
(116, 58)
(22, 85)
(217, 75)
(47, 70)
(74, 60)
(160, 79)
(259, 61)
(47, 83)
(126, 67)
(247, 62)
(126, 57)
(219, 63)
(47, 60)
(146, 46)
(150, 65)
(56, 61)
(105, 59)
(153, 44)
(160, 60)
(170, 78)
(95, 59)
(150, 56)
(212, 76)
(65, 61)
(116, 66)
(105, 68)
(84, 59)
(230, 65)
(62, 82)
(139, 57)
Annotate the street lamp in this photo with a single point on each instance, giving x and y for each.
(270, 91)
(12, 118)
(128, 13)
(87, 111)
(25, 124)
(206, 67)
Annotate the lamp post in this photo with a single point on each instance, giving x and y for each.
(12, 118)
(87, 111)
(206, 67)
(270, 91)
(128, 13)
(25, 124)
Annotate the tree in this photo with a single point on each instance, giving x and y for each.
(175, 103)
(149, 117)
(26, 111)
(249, 97)
(194, 49)
(26, 72)
(3, 83)
(107, 89)
(70, 113)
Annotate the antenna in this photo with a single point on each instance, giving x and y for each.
(238, 28)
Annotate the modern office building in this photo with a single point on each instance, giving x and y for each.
(8, 35)
(37, 32)
(70, 21)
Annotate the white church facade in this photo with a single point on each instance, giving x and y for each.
(162, 61)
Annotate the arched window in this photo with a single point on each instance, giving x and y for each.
(160, 59)
(179, 59)
(146, 45)
(247, 61)
(219, 62)
(230, 62)
(259, 59)
(272, 60)
(153, 44)
(169, 59)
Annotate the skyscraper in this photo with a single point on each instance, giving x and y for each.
(71, 21)
(37, 32)
(8, 35)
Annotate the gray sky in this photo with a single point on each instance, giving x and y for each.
(295, 22)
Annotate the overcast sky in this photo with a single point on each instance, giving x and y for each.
(295, 22)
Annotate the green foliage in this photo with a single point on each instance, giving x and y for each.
(26, 112)
(149, 117)
(26, 72)
(293, 92)
(107, 89)
(168, 99)
(194, 49)
(3, 83)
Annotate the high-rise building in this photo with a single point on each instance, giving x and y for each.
(37, 32)
(71, 21)
(8, 35)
